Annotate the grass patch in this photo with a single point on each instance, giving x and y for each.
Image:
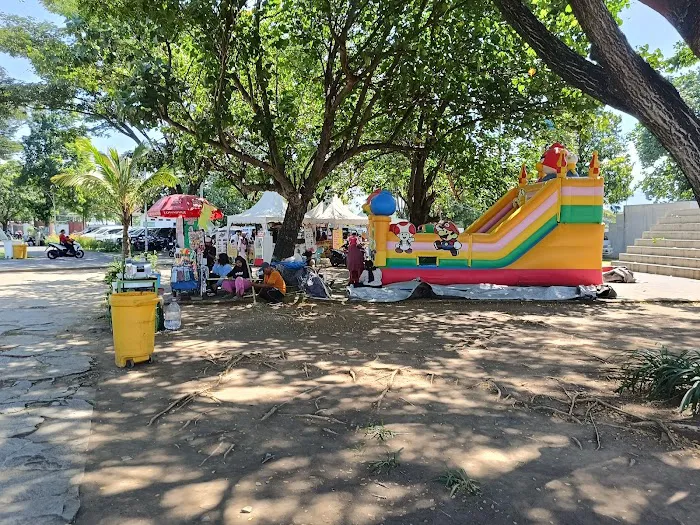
(661, 375)
(458, 481)
(388, 464)
(379, 432)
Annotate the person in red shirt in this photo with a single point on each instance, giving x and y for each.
(66, 241)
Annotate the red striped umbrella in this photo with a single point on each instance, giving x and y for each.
(185, 206)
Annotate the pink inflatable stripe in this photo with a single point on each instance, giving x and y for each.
(578, 191)
(501, 213)
(518, 229)
(502, 242)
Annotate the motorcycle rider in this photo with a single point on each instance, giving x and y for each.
(66, 241)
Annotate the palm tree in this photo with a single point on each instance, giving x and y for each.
(119, 180)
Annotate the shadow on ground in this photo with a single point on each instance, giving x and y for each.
(325, 367)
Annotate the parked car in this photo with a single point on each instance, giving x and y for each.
(110, 234)
(100, 232)
(117, 236)
(158, 239)
(607, 245)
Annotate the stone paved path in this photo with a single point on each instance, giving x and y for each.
(46, 388)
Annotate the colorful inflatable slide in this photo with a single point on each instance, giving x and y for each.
(538, 234)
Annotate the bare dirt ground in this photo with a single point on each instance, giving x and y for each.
(475, 389)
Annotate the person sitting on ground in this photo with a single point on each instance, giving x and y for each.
(309, 257)
(371, 276)
(273, 286)
(239, 281)
(220, 269)
(66, 241)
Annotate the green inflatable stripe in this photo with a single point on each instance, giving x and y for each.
(582, 214)
(520, 250)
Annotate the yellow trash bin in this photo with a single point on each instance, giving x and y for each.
(133, 326)
(19, 251)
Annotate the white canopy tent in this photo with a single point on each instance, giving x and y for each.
(314, 213)
(338, 214)
(270, 208)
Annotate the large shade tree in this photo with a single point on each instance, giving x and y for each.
(614, 73)
(49, 149)
(285, 89)
(470, 78)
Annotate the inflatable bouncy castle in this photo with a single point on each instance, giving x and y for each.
(543, 233)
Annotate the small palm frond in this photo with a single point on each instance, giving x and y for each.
(117, 177)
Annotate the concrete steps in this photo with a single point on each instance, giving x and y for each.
(671, 247)
(660, 269)
(672, 234)
(677, 226)
(686, 262)
(665, 251)
(667, 243)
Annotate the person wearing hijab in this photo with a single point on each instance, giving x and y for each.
(371, 276)
(220, 269)
(355, 260)
(239, 281)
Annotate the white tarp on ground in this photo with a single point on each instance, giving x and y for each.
(338, 214)
(417, 289)
(270, 208)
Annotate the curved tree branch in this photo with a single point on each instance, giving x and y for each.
(590, 78)
(684, 15)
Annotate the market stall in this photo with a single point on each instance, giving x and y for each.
(334, 217)
(193, 215)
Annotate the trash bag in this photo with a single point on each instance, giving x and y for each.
(619, 274)
(313, 285)
(606, 292)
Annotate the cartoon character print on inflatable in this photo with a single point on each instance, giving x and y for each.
(405, 231)
(448, 233)
(547, 167)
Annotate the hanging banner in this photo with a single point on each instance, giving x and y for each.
(180, 232)
(197, 240)
(258, 247)
(337, 238)
(308, 237)
(221, 242)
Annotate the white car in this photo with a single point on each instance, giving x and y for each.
(108, 233)
(94, 233)
(117, 236)
(607, 246)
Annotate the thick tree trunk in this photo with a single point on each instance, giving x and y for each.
(621, 78)
(652, 98)
(287, 237)
(420, 197)
(684, 15)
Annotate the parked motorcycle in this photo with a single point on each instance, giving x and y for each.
(338, 258)
(56, 250)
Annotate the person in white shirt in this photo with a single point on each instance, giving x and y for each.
(370, 276)
(234, 240)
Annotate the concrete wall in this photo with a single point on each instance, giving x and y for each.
(635, 219)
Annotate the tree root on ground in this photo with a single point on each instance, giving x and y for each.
(187, 398)
(378, 402)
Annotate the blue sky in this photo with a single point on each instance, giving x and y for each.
(641, 25)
